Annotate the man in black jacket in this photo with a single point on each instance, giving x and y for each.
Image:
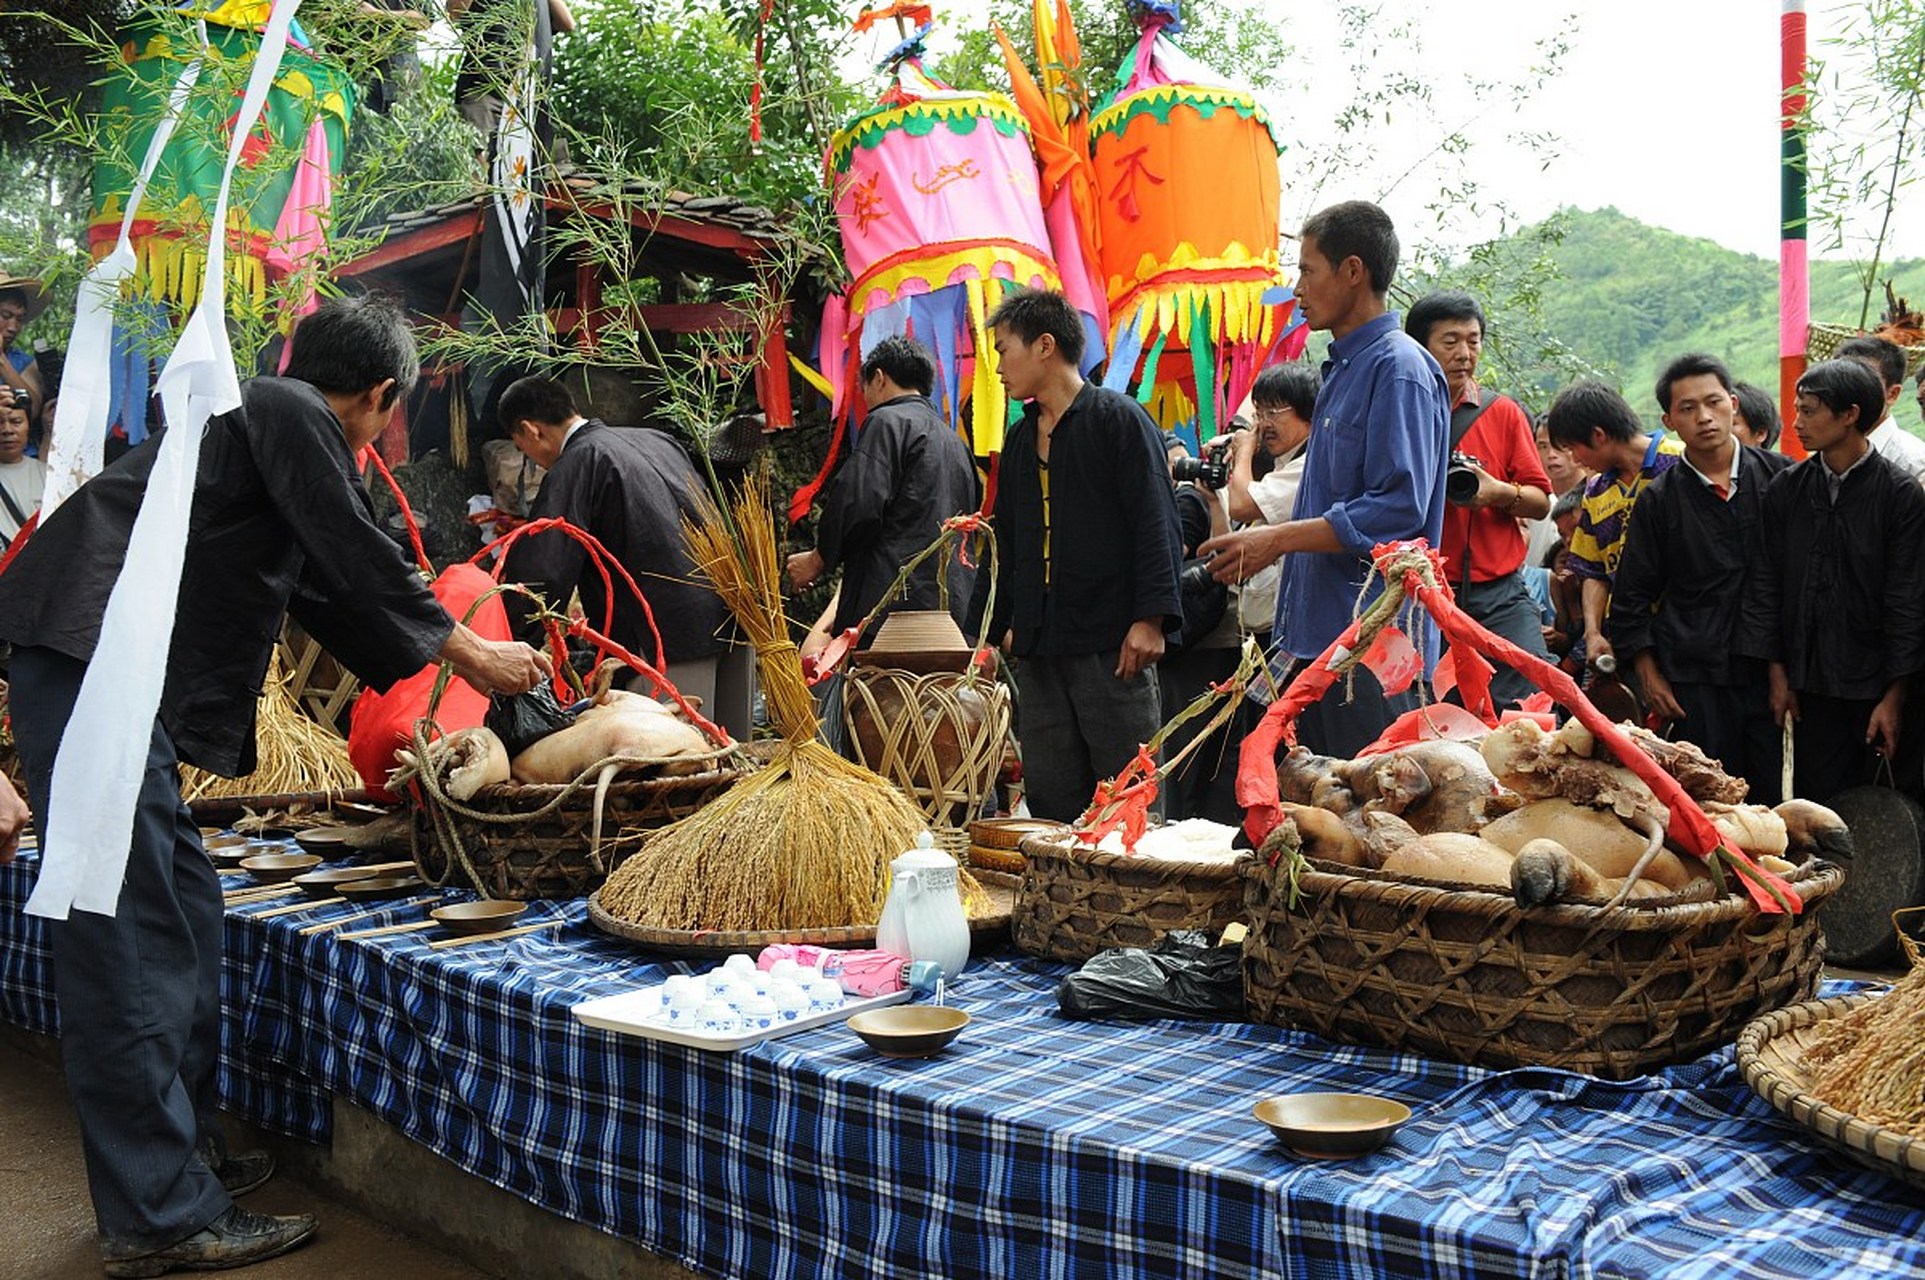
(280, 523)
(1690, 559)
(631, 488)
(1840, 612)
(1086, 530)
(908, 472)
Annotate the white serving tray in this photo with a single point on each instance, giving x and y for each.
(639, 1013)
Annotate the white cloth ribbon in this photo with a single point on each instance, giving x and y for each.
(103, 754)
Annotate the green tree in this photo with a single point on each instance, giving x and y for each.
(662, 90)
(1866, 115)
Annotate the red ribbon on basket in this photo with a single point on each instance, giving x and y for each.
(1689, 828)
(1122, 801)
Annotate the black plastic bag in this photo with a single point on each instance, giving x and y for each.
(1182, 976)
(522, 719)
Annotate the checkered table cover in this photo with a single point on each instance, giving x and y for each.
(1033, 1147)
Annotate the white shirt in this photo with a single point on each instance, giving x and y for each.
(1731, 482)
(1901, 448)
(24, 482)
(1276, 497)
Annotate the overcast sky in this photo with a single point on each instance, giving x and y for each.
(1666, 109)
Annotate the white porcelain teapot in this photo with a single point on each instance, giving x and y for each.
(923, 918)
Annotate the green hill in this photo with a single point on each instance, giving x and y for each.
(1633, 296)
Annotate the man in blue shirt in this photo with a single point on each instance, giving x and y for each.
(1374, 472)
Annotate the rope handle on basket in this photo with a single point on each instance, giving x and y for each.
(369, 454)
(819, 666)
(1414, 570)
(598, 555)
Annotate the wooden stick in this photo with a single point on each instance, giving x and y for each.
(292, 907)
(325, 925)
(445, 943)
(385, 930)
(257, 893)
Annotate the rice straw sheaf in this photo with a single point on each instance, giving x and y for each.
(803, 843)
(293, 753)
(1870, 1062)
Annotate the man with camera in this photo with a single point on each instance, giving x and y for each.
(1495, 480)
(1205, 651)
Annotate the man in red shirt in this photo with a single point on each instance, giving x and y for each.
(1496, 482)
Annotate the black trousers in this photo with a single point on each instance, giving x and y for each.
(138, 992)
(1352, 714)
(1203, 786)
(1078, 725)
(1504, 605)
(1734, 727)
(1829, 751)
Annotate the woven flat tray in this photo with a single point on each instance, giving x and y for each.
(1771, 1052)
(715, 942)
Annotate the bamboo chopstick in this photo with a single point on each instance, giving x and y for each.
(325, 925)
(292, 907)
(445, 943)
(257, 893)
(385, 930)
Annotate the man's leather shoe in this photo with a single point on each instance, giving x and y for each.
(234, 1239)
(243, 1172)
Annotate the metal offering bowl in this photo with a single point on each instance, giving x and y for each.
(1332, 1126)
(279, 868)
(908, 1030)
(484, 915)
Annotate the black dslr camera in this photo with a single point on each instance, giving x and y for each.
(1212, 472)
(1460, 479)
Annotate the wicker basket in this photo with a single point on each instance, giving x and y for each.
(1470, 977)
(1822, 342)
(1771, 1055)
(1076, 901)
(996, 844)
(516, 841)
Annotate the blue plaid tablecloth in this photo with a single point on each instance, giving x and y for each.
(1033, 1147)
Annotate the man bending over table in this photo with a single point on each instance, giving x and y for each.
(280, 523)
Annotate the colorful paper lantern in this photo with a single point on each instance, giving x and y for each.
(278, 217)
(1188, 192)
(937, 200)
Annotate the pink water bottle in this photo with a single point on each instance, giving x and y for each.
(861, 973)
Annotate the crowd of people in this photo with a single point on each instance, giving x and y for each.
(1738, 592)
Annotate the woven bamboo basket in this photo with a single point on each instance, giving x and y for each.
(1470, 977)
(1077, 901)
(937, 735)
(536, 841)
(996, 844)
(1771, 1056)
(1822, 342)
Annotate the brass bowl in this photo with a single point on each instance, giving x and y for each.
(379, 888)
(220, 841)
(1332, 1126)
(484, 915)
(278, 868)
(908, 1030)
(327, 882)
(332, 841)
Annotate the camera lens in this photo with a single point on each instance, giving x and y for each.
(1460, 485)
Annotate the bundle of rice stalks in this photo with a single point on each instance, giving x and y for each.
(294, 753)
(805, 842)
(1870, 1062)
